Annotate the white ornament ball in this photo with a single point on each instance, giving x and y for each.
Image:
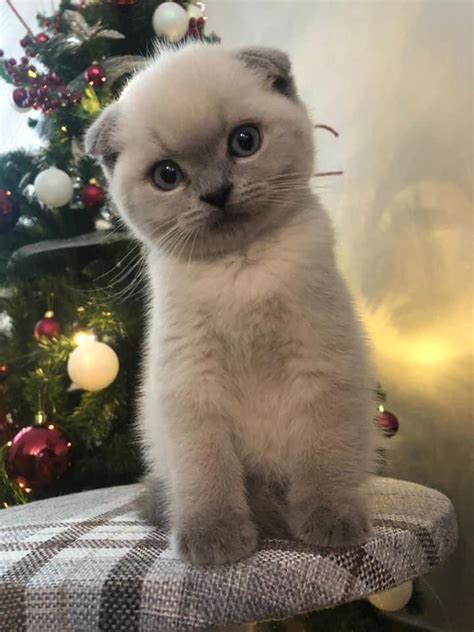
(170, 20)
(53, 187)
(93, 365)
(392, 599)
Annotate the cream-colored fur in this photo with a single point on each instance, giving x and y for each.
(257, 371)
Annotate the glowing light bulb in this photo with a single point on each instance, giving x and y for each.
(82, 337)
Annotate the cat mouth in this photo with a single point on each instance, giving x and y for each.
(225, 219)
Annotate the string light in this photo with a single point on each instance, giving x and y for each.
(381, 409)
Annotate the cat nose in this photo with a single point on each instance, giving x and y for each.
(219, 197)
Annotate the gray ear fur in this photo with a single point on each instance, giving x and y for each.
(273, 64)
(99, 140)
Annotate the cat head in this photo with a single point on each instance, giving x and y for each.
(206, 149)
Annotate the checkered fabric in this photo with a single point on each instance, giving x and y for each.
(86, 562)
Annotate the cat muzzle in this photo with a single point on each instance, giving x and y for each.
(219, 197)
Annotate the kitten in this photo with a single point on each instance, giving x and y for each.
(257, 404)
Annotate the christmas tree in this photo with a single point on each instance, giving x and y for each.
(71, 299)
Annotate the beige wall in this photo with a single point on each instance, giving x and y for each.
(394, 78)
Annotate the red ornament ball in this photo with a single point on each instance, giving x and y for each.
(20, 98)
(9, 212)
(4, 371)
(388, 423)
(38, 456)
(48, 327)
(8, 428)
(92, 195)
(95, 75)
(41, 38)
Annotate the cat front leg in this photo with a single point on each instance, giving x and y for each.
(210, 518)
(326, 501)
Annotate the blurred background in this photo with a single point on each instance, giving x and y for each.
(395, 80)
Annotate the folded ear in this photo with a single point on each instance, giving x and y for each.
(100, 140)
(274, 65)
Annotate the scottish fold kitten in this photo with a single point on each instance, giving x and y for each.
(256, 405)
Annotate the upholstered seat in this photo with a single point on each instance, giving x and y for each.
(87, 562)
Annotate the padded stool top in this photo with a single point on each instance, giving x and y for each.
(87, 562)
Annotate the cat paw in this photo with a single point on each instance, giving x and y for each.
(228, 538)
(339, 523)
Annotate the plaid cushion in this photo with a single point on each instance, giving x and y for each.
(86, 562)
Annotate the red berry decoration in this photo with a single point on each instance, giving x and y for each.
(47, 327)
(41, 38)
(38, 456)
(388, 423)
(200, 23)
(92, 195)
(192, 28)
(20, 98)
(95, 75)
(9, 212)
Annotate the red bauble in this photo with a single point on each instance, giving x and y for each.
(47, 326)
(388, 423)
(41, 38)
(4, 371)
(20, 98)
(38, 456)
(95, 75)
(93, 195)
(8, 428)
(9, 212)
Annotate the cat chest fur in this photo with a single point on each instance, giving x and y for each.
(234, 334)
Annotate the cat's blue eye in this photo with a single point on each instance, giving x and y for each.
(166, 175)
(245, 140)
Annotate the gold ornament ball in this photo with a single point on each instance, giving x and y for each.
(392, 599)
(93, 365)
